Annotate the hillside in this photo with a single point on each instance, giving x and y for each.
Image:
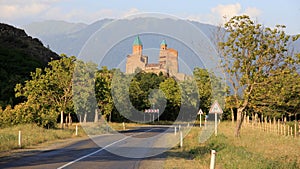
(20, 54)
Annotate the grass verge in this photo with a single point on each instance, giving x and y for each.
(254, 149)
(32, 134)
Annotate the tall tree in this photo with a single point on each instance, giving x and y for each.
(103, 91)
(251, 54)
(50, 90)
(172, 92)
(84, 98)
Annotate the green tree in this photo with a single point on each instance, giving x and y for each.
(49, 91)
(172, 92)
(84, 97)
(281, 96)
(141, 86)
(251, 54)
(120, 95)
(189, 100)
(103, 91)
(203, 80)
(210, 88)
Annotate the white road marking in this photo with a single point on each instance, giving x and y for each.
(95, 152)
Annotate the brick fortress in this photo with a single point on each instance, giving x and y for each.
(168, 60)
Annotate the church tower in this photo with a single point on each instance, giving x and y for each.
(163, 55)
(136, 59)
(137, 46)
(168, 59)
(163, 45)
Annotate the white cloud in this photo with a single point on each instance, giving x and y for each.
(33, 10)
(221, 13)
(130, 12)
(17, 9)
(226, 11)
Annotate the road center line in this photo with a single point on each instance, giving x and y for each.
(83, 157)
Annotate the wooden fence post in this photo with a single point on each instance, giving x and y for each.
(278, 125)
(295, 128)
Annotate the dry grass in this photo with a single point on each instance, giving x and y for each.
(33, 135)
(254, 149)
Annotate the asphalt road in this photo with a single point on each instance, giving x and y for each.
(135, 149)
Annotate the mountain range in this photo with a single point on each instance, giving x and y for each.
(72, 39)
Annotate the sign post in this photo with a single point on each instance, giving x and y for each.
(200, 112)
(216, 109)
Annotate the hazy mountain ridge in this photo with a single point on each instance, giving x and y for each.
(67, 41)
(72, 42)
(52, 27)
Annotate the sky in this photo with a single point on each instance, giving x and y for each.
(269, 13)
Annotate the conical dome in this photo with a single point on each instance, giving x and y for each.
(137, 41)
(163, 42)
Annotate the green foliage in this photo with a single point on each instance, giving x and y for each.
(172, 92)
(281, 96)
(49, 92)
(20, 54)
(103, 91)
(120, 94)
(140, 89)
(15, 67)
(84, 90)
(253, 57)
(203, 80)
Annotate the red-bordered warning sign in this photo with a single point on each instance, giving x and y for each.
(215, 108)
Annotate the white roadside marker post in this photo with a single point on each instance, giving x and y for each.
(20, 139)
(200, 112)
(213, 159)
(181, 139)
(175, 132)
(76, 130)
(200, 120)
(123, 126)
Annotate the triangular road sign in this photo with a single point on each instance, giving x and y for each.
(200, 112)
(215, 108)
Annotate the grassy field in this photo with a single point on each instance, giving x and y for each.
(34, 135)
(254, 149)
